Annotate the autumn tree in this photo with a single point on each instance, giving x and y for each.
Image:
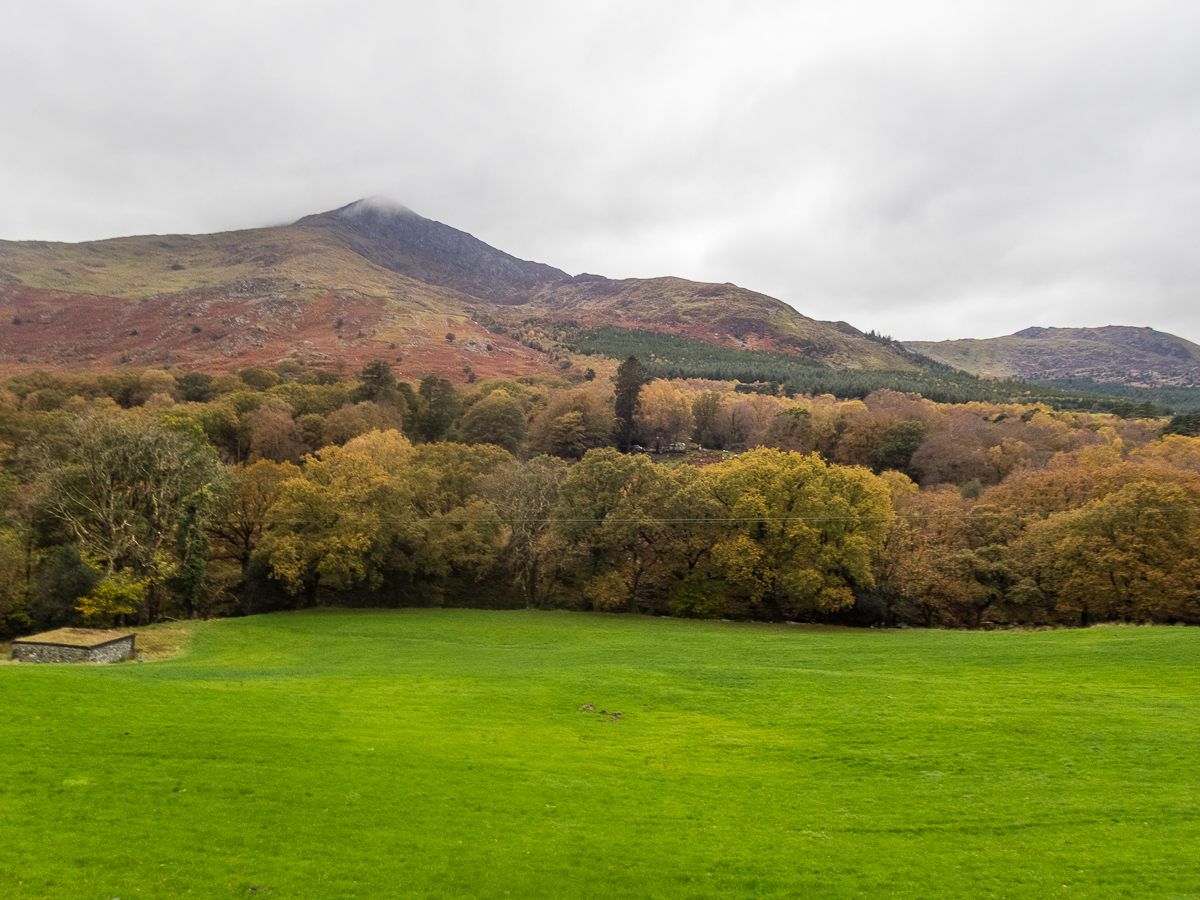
(801, 533)
(790, 429)
(639, 530)
(356, 419)
(1042, 492)
(572, 423)
(376, 510)
(240, 513)
(274, 435)
(134, 388)
(948, 457)
(1179, 451)
(334, 527)
(1133, 555)
(605, 512)
(258, 378)
(524, 496)
(921, 573)
(663, 416)
(118, 493)
(496, 419)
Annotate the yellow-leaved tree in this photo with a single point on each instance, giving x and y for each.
(380, 512)
(1133, 555)
(800, 534)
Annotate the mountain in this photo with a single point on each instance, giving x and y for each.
(371, 280)
(1115, 353)
(394, 237)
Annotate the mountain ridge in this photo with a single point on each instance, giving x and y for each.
(370, 280)
(1120, 354)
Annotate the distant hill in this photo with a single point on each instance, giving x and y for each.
(372, 280)
(1116, 354)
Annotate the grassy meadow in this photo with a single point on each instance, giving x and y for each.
(443, 754)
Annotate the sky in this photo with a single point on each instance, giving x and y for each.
(929, 170)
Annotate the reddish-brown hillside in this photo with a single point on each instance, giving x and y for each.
(369, 281)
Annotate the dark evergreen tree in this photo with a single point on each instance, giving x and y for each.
(196, 387)
(63, 578)
(897, 446)
(376, 383)
(1189, 426)
(440, 408)
(631, 377)
(193, 546)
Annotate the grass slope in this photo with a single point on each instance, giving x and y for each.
(443, 754)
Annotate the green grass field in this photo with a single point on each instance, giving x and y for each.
(443, 754)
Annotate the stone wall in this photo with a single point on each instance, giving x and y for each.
(109, 651)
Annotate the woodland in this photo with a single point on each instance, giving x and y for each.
(139, 496)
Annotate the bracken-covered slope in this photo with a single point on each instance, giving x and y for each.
(372, 280)
(232, 300)
(1136, 356)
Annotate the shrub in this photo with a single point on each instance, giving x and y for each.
(697, 598)
(115, 596)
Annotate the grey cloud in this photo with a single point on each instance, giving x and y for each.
(931, 169)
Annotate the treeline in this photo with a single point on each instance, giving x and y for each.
(1101, 533)
(140, 496)
(672, 356)
(1183, 399)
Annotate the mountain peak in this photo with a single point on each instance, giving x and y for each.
(391, 235)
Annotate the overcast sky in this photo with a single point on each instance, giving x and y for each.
(928, 169)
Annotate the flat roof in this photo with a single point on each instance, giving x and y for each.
(74, 637)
